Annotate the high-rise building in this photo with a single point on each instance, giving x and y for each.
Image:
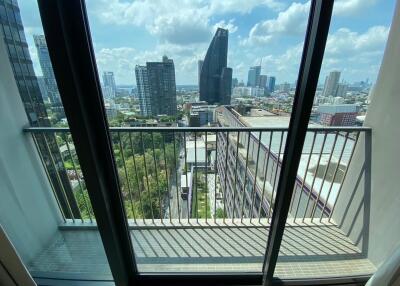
(235, 82)
(263, 80)
(271, 84)
(47, 69)
(331, 83)
(143, 89)
(253, 76)
(341, 89)
(216, 77)
(43, 88)
(156, 87)
(13, 35)
(199, 66)
(109, 87)
(284, 87)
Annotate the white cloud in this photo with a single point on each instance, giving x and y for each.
(230, 25)
(284, 66)
(357, 55)
(242, 7)
(177, 22)
(345, 42)
(349, 7)
(123, 60)
(292, 21)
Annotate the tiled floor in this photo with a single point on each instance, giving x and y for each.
(307, 251)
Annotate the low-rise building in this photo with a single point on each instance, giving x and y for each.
(338, 114)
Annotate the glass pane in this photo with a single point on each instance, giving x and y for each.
(47, 210)
(198, 200)
(330, 212)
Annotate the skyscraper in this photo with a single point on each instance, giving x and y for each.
(341, 89)
(253, 76)
(47, 69)
(110, 89)
(216, 77)
(271, 84)
(235, 82)
(199, 66)
(12, 32)
(263, 80)
(331, 83)
(156, 87)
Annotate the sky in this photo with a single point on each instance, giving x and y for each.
(127, 33)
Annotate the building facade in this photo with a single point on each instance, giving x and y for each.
(331, 84)
(47, 69)
(109, 87)
(216, 77)
(199, 66)
(13, 35)
(157, 88)
(253, 76)
(248, 197)
(271, 84)
(338, 114)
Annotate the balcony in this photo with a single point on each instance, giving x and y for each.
(219, 225)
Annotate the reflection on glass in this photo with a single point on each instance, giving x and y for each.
(327, 227)
(49, 192)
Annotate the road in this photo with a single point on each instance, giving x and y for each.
(175, 196)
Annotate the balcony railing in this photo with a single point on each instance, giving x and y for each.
(179, 174)
(188, 208)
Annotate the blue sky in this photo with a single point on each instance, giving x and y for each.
(126, 33)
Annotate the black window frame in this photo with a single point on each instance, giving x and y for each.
(68, 37)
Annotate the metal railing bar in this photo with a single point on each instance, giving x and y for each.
(255, 177)
(187, 183)
(58, 177)
(48, 177)
(166, 176)
(344, 175)
(176, 177)
(334, 175)
(157, 179)
(139, 184)
(315, 205)
(267, 155)
(215, 175)
(121, 148)
(226, 173)
(245, 176)
(236, 176)
(79, 180)
(278, 158)
(305, 174)
(314, 177)
(147, 177)
(201, 129)
(195, 177)
(206, 185)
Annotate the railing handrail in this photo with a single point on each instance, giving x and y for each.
(201, 129)
(222, 134)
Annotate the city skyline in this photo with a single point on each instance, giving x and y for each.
(273, 32)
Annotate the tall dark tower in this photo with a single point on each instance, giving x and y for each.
(215, 76)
